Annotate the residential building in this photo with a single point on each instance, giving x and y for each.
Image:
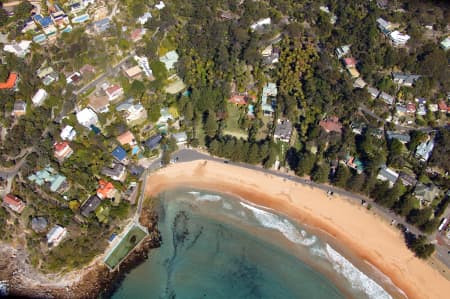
(358, 127)
(407, 180)
(62, 150)
(133, 72)
(283, 131)
(443, 107)
(14, 203)
(55, 235)
(68, 133)
(445, 44)
(180, 138)
(160, 5)
(120, 154)
(270, 91)
(426, 194)
(20, 49)
(39, 224)
(389, 175)
(421, 110)
(137, 34)
(349, 62)
(20, 108)
(398, 39)
(145, 66)
(127, 138)
(101, 25)
(117, 172)
(87, 118)
(153, 141)
(384, 26)
(50, 78)
(39, 98)
(331, 124)
(342, 51)
(387, 98)
(90, 205)
(424, 150)
(51, 177)
(113, 92)
(359, 83)
(87, 69)
(169, 59)
(133, 112)
(11, 82)
(374, 93)
(99, 103)
(44, 72)
(400, 109)
(404, 79)
(402, 137)
(106, 190)
(144, 18)
(74, 78)
(260, 24)
(165, 116)
(411, 108)
(433, 107)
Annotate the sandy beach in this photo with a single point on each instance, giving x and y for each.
(355, 229)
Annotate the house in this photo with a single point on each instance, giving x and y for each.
(426, 194)
(411, 108)
(169, 59)
(358, 127)
(400, 109)
(384, 26)
(374, 93)
(49, 176)
(353, 72)
(142, 62)
(404, 79)
(120, 154)
(398, 39)
(90, 205)
(160, 5)
(180, 138)
(269, 92)
(153, 141)
(117, 172)
(260, 24)
(424, 150)
(101, 25)
(271, 54)
(127, 138)
(349, 62)
(389, 175)
(43, 21)
(359, 83)
(144, 18)
(14, 203)
(113, 92)
(388, 99)
(354, 163)
(241, 99)
(20, 108)
(382, 4)
(62, 150)
(50, 78)
(20, 49)
(73, 78)
(165, 116)
(87, 118)
(44, 72)
(68, 133)
(445, 44)
(137, 34)
(342, 51)
(433, 107)
(443, 106)
(402, 137)
(87, 69)
(133, 112)
(283, 131)
(11, 82)
(331, 124)
(99, 103)
(133, 72)
(421, 110)
(39, 224)
(106, 190)
(55, 235)
(39, 98)
(407, 180)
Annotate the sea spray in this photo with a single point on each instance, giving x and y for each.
(284, 226)
(358, 279)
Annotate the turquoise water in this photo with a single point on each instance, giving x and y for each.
(215, 246)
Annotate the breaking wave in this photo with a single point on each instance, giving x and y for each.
(284, 226)
(209, 197)
(358, 279)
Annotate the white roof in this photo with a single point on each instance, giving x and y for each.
(160, 5)
(54, 233)
(39, 97)
(68, 133)
(169, 59)
(87, 117)
(261, 22)
(399, 37)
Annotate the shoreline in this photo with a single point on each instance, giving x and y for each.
(355, 230)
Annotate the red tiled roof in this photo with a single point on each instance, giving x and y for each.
(126, 138)
(350, 61)
(104, 188)
(442, 105)
(237, 99)
(331, 125)
(11, 82)
(112, 89)
(135, 34)
(410, 107)
(12, 200)
(60, 146)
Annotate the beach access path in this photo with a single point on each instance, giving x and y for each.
(189, 155)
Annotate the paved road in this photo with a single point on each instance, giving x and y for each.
(187, 155)
(102, 77)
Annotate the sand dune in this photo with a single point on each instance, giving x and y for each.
(357, 232)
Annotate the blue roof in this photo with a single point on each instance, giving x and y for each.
(102, 25)
(119, 153)
(112, 237)
(45, 22)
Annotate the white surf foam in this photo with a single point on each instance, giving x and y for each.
(358, 279)
(227, 205)
(285, 227)
(209, 197)
(195, 193)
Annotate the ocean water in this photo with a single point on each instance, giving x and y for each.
(217, 246)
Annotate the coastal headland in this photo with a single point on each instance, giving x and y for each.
(356, 231)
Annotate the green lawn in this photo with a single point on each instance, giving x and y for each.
(126, 245)
(232, 121)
